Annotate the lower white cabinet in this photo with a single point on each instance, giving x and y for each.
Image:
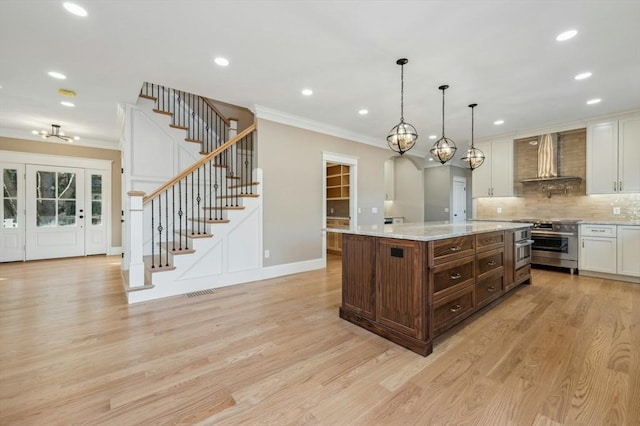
(610, 249)
(629, 250)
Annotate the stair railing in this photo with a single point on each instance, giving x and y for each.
(200, 194)
(197, 115)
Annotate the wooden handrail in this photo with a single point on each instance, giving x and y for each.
(213, 107)
(198, 164)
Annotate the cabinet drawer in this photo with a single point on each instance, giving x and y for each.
(489, 241)
(522, 274)
(441, 251)
(489, 289)
(489, 262)
(451, 277)
(451, 310)
(598, 230)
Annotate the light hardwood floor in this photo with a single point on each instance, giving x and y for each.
(565, 350)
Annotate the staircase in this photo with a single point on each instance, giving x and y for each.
(202, 228)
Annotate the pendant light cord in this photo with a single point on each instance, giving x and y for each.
(472, 108)
(402, 93)
(443, 112)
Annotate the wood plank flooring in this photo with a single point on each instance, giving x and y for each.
(564, 351)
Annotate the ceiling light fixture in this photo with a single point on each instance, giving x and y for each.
(433, 136)
(223, 62)
(474, 157)
(498, 122)
(582, 76)
(444, 149)
(307, 92)
(594, 101)
(57, 75)
(75, 9)
(55, 133)
(67, 104)
(566, 35)
(403, 136)
(363, 112)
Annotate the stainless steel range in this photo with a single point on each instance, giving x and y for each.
(555, 243)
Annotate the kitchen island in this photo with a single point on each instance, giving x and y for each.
(410, 282)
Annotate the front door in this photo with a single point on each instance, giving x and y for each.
(55, 202)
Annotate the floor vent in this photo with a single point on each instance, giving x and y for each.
(200, 293)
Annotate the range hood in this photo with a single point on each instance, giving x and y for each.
(548, 160)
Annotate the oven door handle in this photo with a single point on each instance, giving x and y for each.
(553, 234)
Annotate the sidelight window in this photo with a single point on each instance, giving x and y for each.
(10, 198)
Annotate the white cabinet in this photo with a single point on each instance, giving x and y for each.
(495, 177)
(598, 248)
(629, 250)
(613, 155)
(389, 180)
(611, 250)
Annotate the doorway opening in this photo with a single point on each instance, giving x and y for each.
(339, 200)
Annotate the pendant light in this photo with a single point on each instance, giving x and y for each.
(403, 136)
(444, 149)
(474, 157)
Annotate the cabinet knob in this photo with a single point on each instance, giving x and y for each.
(455, 276)
(491, 288)
(491, 263)
(455, 308)
(456, 248)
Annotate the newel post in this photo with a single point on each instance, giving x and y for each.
(136, 239)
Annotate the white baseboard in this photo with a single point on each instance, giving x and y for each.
(613, 277)
(291, 268)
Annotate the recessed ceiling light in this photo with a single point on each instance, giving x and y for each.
(223, 62)
(307, 92)
(58, 75)
(498, 122)
(35, 132)
(594, 101)
(433, 136)
(583, 75)
(430, 158)
(566, 35)
(67, 104)
(76, 138)
(75, 9)
(363, 112)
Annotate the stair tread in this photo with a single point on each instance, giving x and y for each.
(212, 221)
(244, 185)
(159, 111)
(176, 126)
(152, 98)
(193, 140)
(238, 195)
(157, 267)
(177, 251)
(194, 235)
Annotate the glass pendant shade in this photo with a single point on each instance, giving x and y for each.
(474, 157)
(403, 136)
(444, 149)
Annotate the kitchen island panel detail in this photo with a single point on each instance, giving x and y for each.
(359, 279)
(399, 288)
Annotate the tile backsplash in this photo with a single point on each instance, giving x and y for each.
(539, 206)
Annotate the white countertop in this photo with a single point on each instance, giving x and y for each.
(610, 222)
(429, 231)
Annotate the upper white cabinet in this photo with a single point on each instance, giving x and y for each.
(613, 155)
(495, 177)
(389, 180)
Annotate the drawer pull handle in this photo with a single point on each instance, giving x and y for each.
(456, 248)
(491, 288)
(455, 308)
(491, 263)
(455, 276)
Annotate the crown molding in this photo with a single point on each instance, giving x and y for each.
(281, 117)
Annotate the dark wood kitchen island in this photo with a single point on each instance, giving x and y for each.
(410, 282)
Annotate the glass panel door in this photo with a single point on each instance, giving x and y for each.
(12, 212)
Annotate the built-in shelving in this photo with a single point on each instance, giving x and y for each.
(337, 182)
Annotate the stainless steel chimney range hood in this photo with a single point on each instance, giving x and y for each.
(548, 158)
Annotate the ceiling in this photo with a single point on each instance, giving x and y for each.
(500, 54)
